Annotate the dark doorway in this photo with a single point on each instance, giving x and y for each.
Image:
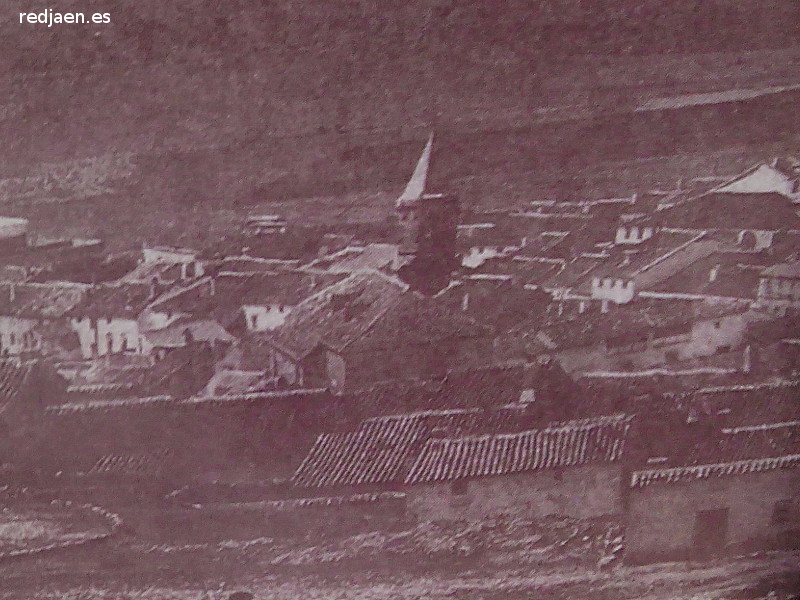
(710, 532)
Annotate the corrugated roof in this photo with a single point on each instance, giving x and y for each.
(568, 444)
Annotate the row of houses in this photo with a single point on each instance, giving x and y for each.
(738, 494)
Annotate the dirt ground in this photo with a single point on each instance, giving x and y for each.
(505, 560)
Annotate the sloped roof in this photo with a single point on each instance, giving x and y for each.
(761, 179)
(13, 376)
(643, 478)
(760, 198)
(375, 453)
(357, 258)
(673, 262)
(130, 463)
(566, 444)
(201, 330)
(339, 313)
(232, 383)
(372, 309)
(43, 300)
(114, 300)
(787, 270)
(146, 272)
(382, 449)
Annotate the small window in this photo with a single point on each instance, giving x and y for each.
(459, 487)
(130, 342)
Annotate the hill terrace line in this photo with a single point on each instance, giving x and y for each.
(617, 358)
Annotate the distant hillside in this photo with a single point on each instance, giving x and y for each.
(376, 33)
(226, 105)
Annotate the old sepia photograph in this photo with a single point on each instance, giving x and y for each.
(381, 300)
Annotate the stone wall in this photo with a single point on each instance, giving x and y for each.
(578, 492)
(661, 516)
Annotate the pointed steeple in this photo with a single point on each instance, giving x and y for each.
(416, 185)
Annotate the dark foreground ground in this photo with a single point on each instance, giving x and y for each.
(500, 559)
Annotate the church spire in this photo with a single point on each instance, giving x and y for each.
(415, 187)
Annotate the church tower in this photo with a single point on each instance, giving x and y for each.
(428, 221)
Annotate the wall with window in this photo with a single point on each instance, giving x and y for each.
(579, 492)
(613, 289)
(17, 335)
(632, 235)
(107, 336)
(661, 517)
(265, 318)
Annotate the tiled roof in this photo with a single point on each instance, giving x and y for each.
(372, 309)
(40, 299)
(382, 449)
(129, 463)
(146, 272)
(719, 209)
(566, 444)
(125, 300)
(229, 383)
(787, 270)
(373, 454)
(13, 375)
(757, 441)
(640, 479)
(355, 258)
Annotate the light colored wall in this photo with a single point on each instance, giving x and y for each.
(779, 291)
(336, 369)
(580, 492)
(763, 238)
(613, 289)
(708, 336)
(660, 516)
(17, 335)
(153, 320)
(632, 235)
(265, 318)
(151, 255)
(93, 336)
(705, 339)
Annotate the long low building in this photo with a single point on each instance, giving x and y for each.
(719, 506)
(472, 464)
